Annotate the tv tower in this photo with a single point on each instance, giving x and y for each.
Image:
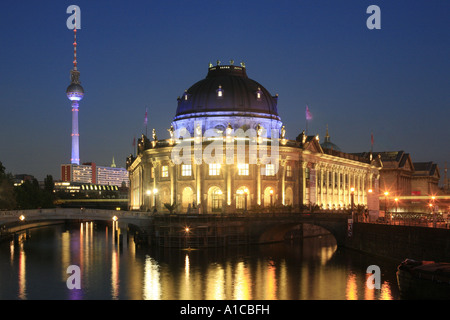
(75, 93)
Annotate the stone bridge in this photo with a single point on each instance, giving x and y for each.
(396, 242)
(13, 221)
(222, 230)
(186, 230)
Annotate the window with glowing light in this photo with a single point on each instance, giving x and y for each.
(165, 171)
(258, 94)
(242, 198)
(186, 170)
(219, 92)
(214, 169)
(270, 169)
(289, 171)
(216, 199)
(243, 169)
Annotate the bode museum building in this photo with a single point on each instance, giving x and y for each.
(228, 152)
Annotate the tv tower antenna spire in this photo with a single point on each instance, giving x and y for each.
(75, 93)
(75, 43)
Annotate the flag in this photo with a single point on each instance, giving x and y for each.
(145, 120)
(308, 113)
(371, 138)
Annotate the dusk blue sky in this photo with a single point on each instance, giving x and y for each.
(133, 55)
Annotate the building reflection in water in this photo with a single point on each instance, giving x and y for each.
(18, 256)
(114, 270)
(152, 280)
(115, 261)
(22, 273)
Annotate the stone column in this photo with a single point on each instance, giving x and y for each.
(282, 165)
(312, 184)
(258, 183)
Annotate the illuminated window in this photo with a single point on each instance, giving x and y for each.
(243, 169)
(165, 171)
(219, 92)
(216, 198)
(258, 94)
(214, 169)
(288, 171)
(242, 198)
(186, 170)
(152, 172)
(270, 169)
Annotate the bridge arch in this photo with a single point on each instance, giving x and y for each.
(276, 232)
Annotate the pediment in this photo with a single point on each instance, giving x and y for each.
(313, 145)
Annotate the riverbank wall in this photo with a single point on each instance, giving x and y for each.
(401, 242)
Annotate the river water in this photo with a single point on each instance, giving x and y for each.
(36, 267)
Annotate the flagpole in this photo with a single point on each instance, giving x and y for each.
(146, 122)
(371, 142)
(308, 116)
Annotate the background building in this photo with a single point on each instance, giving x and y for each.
(90, 173)
(408, 186)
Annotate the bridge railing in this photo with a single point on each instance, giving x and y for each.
(68, 213)
(414, 219)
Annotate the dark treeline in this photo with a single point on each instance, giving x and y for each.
(26, 196)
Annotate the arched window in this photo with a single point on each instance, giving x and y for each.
(187, 198)
(269, 197)
(289, 197)
(215, 199)
(242, 198)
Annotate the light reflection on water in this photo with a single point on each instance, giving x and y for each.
(35, 268)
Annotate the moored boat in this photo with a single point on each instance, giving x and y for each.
(427, 280)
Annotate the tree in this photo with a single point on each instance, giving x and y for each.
(28, 195)
(7, 198)
(49, 184)
(48, 195)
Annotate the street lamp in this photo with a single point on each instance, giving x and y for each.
(187, 230)
(385, 202)
(433, 212)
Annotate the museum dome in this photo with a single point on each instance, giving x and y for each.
(228, 95)
(327, 144)
(227, 88)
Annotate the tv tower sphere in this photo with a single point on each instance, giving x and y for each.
(75, 92)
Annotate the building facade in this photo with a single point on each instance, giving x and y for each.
(228, 152)
(90, 173)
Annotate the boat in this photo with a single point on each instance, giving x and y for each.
(424, 280)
